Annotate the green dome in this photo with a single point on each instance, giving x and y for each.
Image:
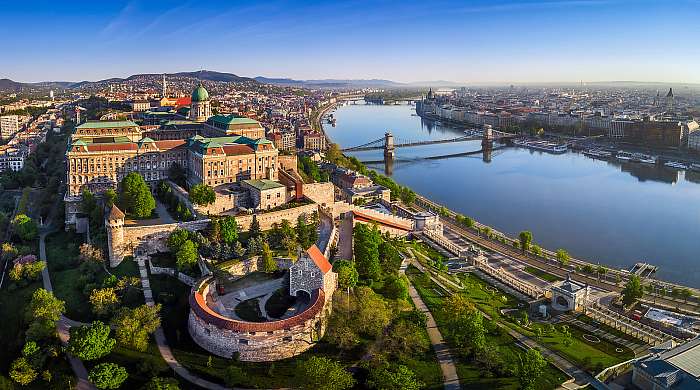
(200, 94)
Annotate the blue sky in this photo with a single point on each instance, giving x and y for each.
(466, 41)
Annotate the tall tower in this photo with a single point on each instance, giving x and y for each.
(389, 149)
(669, 100)
(165, 87)
(200, 109)
(114, 223)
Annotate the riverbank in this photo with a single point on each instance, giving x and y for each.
(592, 208)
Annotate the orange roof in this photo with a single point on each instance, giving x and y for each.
(319, 259)
(184, 101)
(236, 150)
(169, 144)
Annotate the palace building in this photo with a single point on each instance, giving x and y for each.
(225, 150)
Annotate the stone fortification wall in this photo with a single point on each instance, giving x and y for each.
(240, 268)
(267, 219)
(321, 193)
(149, 239)
(255, 341)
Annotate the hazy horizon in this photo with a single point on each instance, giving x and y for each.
(478, 42)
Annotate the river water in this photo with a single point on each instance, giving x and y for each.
(603, 211)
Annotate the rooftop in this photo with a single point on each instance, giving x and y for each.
(263, 184)
(106, 124)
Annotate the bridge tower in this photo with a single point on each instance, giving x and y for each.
(389, 149)
(487, 140)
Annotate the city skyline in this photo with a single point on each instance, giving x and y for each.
(479, 42)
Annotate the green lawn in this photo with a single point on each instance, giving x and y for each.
(62, 250)
(471, 375)
(593, 357)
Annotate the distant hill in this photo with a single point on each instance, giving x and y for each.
(330, 83)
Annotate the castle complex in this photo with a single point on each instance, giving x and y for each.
(213, 150)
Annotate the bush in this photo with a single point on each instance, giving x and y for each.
(108, 376)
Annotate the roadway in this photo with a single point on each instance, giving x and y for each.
(463, 237)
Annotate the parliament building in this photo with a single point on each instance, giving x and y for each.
(213, 150)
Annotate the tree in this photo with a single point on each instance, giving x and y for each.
(320, 373)
(389, 377)
(347, 274)
(22, 371)
(158, 383)
(229, 230)
(269, 263)
(104, 301)
(91, 253)
(108, 376)
(366, 245)
(406, 339)
(134, 325)
(24, 227)
(186, 256)
(215, 230)
(234, 375)
(90, 342)
(45, 306)
(110, 197)
(202, 195)
(372, 313)
(464, 323)
(601, 271)
(531, 366)
(685, 293)
(177, 238)
(525, 240)
(632, 291)
(254, 229)
(88, 203)
(238, 249)
(135, 197)
(396, 287)
(563, 257)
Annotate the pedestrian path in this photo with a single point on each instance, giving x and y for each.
(162, 342)
(64, 324)
(442, 351)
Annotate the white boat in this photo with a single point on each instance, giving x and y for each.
(644, 158)
(545, 146)
(695, 167)
(597, 153)
(624, 156)
(676, 164)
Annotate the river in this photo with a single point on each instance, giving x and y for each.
(597, 210)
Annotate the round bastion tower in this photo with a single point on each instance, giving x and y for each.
(114, 223)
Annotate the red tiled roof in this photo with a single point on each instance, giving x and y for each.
(184, 101)
(319, 259)
(200, 308)
(111, 147)
(236, 150)
(169, 144)
(360, 216)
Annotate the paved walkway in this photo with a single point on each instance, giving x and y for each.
(161, 341)
(345, 239)
(64, 323)
(442, 351)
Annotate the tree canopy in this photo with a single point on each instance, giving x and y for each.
(525, 240)
(201, 194)
(633, 290)
(366, 245)
(135, 197)
(24, 227)
(229, 229)
(321, 373)
(134, 325)
(90, 342)
(186, 256)
(108, 376)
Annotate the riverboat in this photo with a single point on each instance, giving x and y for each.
(624, 156)
(644, 158)
(676, 164)
(545, 146)
(597, 153)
